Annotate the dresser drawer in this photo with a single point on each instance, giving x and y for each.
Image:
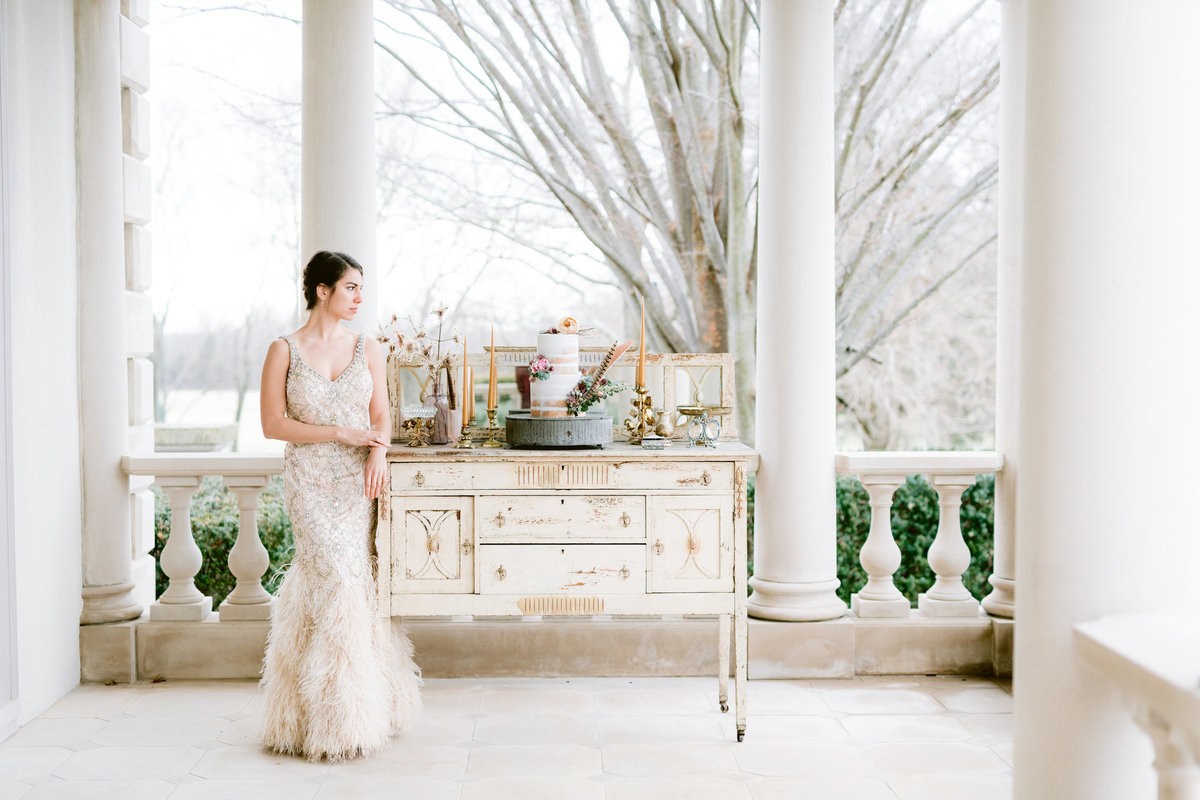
(691, 476)
(562, 569)
(561, 518)
(451, 476)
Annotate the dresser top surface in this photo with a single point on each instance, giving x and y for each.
(618, 451)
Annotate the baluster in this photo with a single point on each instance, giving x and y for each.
(880, 556)
(949, 556)
(248, 560)
(181, 558)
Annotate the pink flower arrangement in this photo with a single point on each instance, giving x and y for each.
(540, 368)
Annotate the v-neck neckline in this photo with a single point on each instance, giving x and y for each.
(316, 371)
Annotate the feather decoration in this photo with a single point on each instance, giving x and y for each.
(596, 375)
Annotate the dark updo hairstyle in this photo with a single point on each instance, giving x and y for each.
(326, 268)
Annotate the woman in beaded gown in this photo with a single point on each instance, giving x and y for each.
(339, 682)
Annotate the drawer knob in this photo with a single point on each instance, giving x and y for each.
(500, 520)
(625, 519)
(658, 547)
(467, 547)
(624, 573)
(706, 479)
(418, 479)
(501, 573)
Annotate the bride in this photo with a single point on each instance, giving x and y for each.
(339, 680)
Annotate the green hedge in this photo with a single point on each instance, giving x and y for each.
(914, 525)
(215, 526)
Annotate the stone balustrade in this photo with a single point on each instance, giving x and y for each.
(179, 476)
(1153, 661)
(950, 473)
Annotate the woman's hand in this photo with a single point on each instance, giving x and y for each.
(375, 472)
(359, 438)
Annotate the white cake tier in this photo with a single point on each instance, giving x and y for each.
(548, 397)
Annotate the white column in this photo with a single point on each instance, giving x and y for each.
(795, 532)
(1001, 602)
(337, 185)
(104, 402)
(1110, 285)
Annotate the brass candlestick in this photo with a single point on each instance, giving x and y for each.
(464, 438)
(641, 416)
(491, 440)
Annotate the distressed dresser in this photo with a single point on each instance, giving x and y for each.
(617, 531)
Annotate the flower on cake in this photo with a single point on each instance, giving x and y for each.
(540, 368)
(565, 325)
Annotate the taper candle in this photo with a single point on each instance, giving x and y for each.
(470, 399)
(641, 367)
(463, 393)
(491, 403)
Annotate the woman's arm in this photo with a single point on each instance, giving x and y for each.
(375, 470)
(273, 409)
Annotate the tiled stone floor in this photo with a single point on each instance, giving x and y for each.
(585, 739)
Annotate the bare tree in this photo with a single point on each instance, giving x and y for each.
(633, 118)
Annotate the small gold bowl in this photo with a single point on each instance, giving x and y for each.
(700, 411)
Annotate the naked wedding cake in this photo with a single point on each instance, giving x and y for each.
(558, 359)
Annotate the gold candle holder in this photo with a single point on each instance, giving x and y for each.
(464, 438)
(491, 429)
(641, 416)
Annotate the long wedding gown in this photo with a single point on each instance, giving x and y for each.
(339, 680)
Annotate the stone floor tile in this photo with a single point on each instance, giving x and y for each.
(129, 763)
(976, 700)
(811, 760)
(771, 729)
(678, 729)
(661, 700)
(424, 761)
(843, 788)
(244, 789)
(533, 729)
(906, 728)
(192, 700)
(881, 701)
(451, 696)
(676, 788)
(568, 761)
(429, 729)
(102, 790)
(22, 763)
(1004, 750)
(396, 787)
(639, 760)
(989, 728)
(934, 758)
(161, 731)
(508, 699)
(66, 732)
(977, 787)
(774, 698)
(253, 763)
(97, 702)
(242, 732)
(533, 788)
(13, 790)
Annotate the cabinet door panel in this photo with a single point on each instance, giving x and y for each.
(691, 548)
(433, 545)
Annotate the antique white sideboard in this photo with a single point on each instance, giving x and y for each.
(618, 530)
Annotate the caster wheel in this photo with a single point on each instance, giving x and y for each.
(741, 735)
(724, 707)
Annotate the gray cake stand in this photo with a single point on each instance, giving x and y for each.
(521, 429)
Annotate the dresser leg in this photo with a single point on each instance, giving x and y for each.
(723, 624)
